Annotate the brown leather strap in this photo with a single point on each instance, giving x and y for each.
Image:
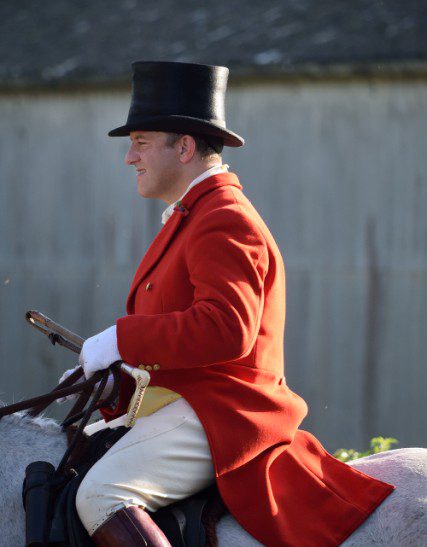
(57, 333)
(38, 404)
(77, 411)
(69, 381)
(79, 433)
(63, 336)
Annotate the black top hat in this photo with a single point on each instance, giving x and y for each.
(180, 98)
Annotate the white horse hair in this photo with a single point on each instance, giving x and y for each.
(399, 521)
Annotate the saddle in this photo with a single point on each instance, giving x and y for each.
(49, 494)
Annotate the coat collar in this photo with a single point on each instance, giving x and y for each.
(214, 170)
(181, 211)
(207, 185)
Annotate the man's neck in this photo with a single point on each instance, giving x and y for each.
(189, 176)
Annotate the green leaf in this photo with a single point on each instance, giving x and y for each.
(377, 444)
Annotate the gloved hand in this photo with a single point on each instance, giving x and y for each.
(107, 390)
(99, 351)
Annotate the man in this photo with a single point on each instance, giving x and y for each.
(206, 313)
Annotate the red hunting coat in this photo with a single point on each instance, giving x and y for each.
(207, 307)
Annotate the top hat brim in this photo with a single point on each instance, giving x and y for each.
(180, 124)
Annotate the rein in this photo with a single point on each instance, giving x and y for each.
(36, 405)
(59, 335)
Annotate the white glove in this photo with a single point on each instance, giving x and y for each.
(107, 390)
(99, 351)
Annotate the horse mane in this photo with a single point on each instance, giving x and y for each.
(47, 425)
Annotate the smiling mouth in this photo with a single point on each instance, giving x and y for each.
(140, 171)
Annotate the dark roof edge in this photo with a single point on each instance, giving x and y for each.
(378, 69)
(398, 70)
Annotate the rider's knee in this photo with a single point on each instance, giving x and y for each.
(90, 505)
(97, 500)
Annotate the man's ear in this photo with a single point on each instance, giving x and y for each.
(187, 148)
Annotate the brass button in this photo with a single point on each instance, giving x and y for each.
(141, 366)
(148, 286)
(148, 367)
(156, 366)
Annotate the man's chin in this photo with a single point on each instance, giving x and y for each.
(143, 191)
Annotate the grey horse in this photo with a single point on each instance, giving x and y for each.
(399, 521)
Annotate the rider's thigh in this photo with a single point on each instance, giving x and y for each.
(165, 457)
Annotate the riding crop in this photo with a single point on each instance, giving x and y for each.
(58, 334)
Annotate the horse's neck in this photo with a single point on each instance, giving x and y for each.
(23, 438)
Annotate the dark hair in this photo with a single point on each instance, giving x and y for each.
(205, 144)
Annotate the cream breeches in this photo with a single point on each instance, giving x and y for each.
(164, 458)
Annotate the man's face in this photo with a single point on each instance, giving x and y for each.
(157, 164)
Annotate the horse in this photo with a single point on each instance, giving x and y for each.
(399, 521)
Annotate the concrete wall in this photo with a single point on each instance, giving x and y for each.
(338, 172)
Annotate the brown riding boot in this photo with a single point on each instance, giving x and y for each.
(130, 527)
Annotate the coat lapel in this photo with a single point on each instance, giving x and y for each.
(163, 238)
(155, 251)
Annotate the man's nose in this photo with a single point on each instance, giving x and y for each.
(131, 156)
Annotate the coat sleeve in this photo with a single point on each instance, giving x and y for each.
(227, 260)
